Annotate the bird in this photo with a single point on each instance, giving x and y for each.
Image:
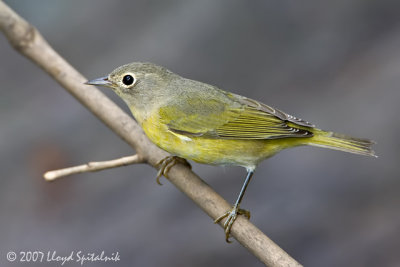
(197, 121)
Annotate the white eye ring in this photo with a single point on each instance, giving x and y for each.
(128, 80)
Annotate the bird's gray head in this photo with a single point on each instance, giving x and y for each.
(139, 84)
(135, 79)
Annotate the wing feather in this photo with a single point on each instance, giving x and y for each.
(241, 119)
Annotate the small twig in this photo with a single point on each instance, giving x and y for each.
(93, 167)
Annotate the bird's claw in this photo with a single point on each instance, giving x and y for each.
(231, 216)
(166, 164)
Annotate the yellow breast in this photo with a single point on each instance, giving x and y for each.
(246, 153)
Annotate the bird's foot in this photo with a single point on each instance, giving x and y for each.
(166, 164)
(231, 216)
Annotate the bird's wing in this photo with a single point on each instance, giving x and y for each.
(244, 119)
(267, 109)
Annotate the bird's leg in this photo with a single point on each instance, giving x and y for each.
(166, 164)
(232, 214)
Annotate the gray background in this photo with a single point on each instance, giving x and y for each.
(334, 63)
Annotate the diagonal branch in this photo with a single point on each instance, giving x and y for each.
(29, 42)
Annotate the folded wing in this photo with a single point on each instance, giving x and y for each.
(244, 119)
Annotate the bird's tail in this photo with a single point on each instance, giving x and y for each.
(342, 142)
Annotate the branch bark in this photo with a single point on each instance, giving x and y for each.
(93, 167)
(29, 42)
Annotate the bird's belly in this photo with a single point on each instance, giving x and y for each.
(246, 153)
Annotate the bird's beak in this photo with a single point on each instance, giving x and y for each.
(100, 81)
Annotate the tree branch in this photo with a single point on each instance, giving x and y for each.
(93, 167)
(29, 42)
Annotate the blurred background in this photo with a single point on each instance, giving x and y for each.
(335, 63)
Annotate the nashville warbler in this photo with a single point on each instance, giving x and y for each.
(200, 122)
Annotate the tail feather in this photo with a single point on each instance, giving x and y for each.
(343, 143)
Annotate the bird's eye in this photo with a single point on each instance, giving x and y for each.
(128, 79)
